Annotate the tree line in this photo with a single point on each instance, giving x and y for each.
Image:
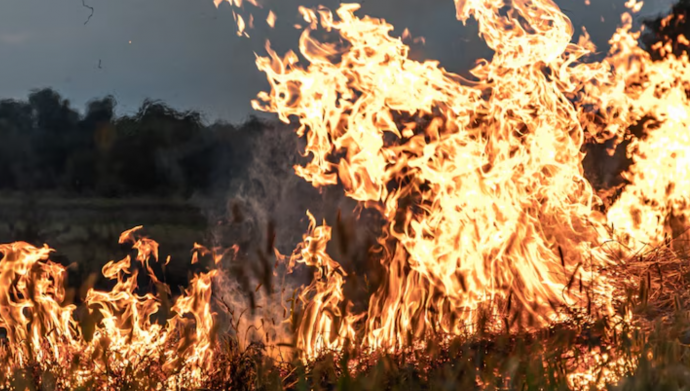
(46, 145)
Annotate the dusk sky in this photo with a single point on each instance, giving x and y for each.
(186, 52)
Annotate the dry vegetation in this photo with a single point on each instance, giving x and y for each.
(658, 339)
(266, 212)
(652, 284)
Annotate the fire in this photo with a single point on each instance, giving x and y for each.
(654, 205)
(31, 293)
(325, 324)
(43, 329)
(480, 183)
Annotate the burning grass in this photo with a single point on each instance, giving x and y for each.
(650, 350)
(497, 264)
(146, 374)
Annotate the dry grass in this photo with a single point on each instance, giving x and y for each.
(655, 290)
(652, 284)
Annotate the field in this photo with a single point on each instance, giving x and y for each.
(657, 341)
(84, 232)
(405, 228)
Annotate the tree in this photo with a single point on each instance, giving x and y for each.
(158, 151)
(16, 122)
(95, 134)
(55, 136)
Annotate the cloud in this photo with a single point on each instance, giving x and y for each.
(14, 38)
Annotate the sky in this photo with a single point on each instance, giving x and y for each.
(186, 52)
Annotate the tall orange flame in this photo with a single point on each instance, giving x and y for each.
(481, 182)
(42, 330)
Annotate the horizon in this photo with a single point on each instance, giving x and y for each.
(206, 67)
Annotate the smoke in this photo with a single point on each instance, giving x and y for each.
(264, 211)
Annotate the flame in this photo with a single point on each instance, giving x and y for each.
(32, 291)
(325, 324)
(654, 201)
(271, 19)
(43, 329)
(480, 183)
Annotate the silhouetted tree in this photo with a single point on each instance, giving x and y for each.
(47, 145)
(55, 136)
(16, 126)
(95, 136)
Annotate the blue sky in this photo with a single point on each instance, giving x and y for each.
(186, 52)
